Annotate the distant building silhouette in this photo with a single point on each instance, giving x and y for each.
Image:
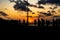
(24, 21)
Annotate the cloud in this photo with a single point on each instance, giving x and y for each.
(4, 16)
(46, 14)
(57, 2)
(41, 7)
(3, 13)
(21, 7)
(36, 6)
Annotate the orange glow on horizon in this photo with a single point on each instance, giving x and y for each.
(30, 20)
(20, 15)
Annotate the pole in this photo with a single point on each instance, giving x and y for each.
(27, 14)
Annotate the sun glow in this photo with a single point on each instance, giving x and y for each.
(30, 20)
(7, 7)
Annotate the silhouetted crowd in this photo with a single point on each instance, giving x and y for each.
(17, 26)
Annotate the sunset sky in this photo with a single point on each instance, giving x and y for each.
(7, 7)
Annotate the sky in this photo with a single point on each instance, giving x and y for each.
(7, 7)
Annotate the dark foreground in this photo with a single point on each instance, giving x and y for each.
(17, 26)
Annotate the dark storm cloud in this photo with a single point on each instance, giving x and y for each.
(3, 14)
(49, 1)
(21, 5)
(53, 1)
